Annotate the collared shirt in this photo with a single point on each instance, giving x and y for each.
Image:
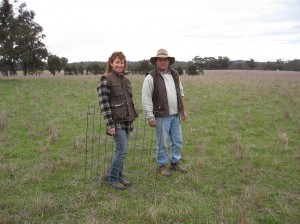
(103, 89)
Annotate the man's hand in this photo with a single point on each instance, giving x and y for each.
(184, 115)
(152, 123)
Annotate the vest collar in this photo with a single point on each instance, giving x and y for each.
(160, 72)
(117, 73)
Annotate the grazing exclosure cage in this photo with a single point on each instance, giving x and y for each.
(140, 163)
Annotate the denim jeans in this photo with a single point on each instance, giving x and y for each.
(165, 127)
(116, 173)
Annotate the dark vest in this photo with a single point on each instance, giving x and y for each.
(159, 96)
(120, 98)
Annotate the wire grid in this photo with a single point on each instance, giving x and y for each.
(140, 163)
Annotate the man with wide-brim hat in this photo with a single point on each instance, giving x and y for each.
(162, 53)
(163, 105)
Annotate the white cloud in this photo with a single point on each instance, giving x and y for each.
(90, 30)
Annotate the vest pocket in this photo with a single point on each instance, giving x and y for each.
(119, 111)
(159, 110)
(158, 107)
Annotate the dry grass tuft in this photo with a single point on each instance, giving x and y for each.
(104, 172)
(79, 143)
(70, 162)
(52, 132)
(200, 156)
(49, 166)
(237, 145)
(284, 140)
(234, 124)
(245, 202)
(248, 166)
(242, 216)
(3, 120)
(153, 212)
(90, 194)
(297, 155)
(287, 115)
(93, 217)
(43, 204)
(277, 163)
(249, 117)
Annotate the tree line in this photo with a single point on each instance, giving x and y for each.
(22, 48)
(198, 64)
(193, 67)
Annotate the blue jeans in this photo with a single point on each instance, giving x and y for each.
(165, 127)
(116, 173)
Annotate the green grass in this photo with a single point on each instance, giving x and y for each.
(241, 145)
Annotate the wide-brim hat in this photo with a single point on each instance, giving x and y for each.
(162, 53)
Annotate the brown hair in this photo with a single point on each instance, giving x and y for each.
(117, 54)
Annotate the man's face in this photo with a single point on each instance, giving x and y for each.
(162, 64)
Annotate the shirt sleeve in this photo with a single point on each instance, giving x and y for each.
(181, 88)
(147, 92)
(103, 89)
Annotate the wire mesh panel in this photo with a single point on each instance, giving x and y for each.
(140, 163)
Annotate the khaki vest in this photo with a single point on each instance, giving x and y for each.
(159, 96)
(120, 98)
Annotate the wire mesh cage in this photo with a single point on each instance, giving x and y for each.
(140, 162)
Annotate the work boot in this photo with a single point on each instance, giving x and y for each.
(126, 183)
(119, 186)
(178, 167)
(164, 170)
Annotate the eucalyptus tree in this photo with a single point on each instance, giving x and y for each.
(8, 57)
(94, 68)
(192, 69)
(199, 63)
(223, 62)
(211, 62)
(144, 66)
(179, 70)
(63, 62)
(29, 46)
(54, 64)
(251, 64)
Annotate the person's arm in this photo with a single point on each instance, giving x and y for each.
(147, 102)
(103, 89)
(184, 115)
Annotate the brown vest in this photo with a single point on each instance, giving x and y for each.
(159, 96)
(120, 98)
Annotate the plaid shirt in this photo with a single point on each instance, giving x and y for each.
(103, 89)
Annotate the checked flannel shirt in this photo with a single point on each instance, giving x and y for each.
(103, 89)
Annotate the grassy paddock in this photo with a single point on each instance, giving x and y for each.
(241, 144)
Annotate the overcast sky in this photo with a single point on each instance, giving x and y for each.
(90, 30)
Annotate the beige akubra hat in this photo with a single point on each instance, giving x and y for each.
(162, 53)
